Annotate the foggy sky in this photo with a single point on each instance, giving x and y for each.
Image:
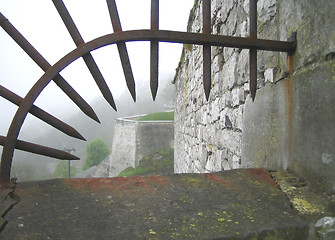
(41, 25)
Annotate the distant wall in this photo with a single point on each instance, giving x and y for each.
(291, 124)
(135, 139)
(124, 146)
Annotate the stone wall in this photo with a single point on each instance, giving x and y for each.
(135, 139)
(124, 146)
(290, 124)
(208, 135)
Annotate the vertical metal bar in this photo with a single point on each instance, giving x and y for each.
(122, 49)
(253, 52)
(154, 48)
(39, 113)
(42, 63)
(88, 58)
(206, 20)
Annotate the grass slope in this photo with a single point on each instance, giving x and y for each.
(158, 116)
(157, 163)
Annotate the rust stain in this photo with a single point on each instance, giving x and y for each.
(289, 90)
(216, 178)
(159, 179)
(116, 184)
(289, 100)
(262, 175)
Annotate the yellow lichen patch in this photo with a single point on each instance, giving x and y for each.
(151, 231)
(193, 181)
(200, 213)
(305, 207)
(221, 219)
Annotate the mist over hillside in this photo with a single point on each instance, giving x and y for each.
(42, 167)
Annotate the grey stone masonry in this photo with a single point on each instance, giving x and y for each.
(291, 123)
(208, 134)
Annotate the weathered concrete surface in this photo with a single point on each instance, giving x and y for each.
(238, 204)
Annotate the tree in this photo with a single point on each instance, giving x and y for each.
(62, 170)
(96, 152)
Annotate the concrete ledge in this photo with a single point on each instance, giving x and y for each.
(238, 204)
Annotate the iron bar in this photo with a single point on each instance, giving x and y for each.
(206, 21)
(136, 35)
(41, 150)
(154, 48)
(122, 49)
(88, 58)
(41, 114)
(253, 51)
(44, 65)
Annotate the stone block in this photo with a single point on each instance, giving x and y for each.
(269, 75)
(238, 96)
(266, 10)
(325, 228)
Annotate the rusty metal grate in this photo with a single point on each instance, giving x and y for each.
(119, 37)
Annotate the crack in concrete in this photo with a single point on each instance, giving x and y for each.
(8, 203)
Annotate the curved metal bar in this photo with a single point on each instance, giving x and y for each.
(44, 65)
(88, 58)
(135, 35)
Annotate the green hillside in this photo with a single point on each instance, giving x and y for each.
(158, 116)
(157, 163)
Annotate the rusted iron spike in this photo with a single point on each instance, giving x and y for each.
(41, 150)
(252, 51)
(122, 49)
(41, 114)
(88, 58)
(154, 50)
(42, 63)
(206, 20)
(154, 63)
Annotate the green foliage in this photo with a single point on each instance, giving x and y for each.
(62, 170)
(96, 152)
(157, 163)
(158, 116)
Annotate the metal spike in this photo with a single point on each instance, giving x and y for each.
(253, 52)
(42, 63)
(41, 150)
(207, 75)
(206, 19)
(88, 58)
(154, 47)
(122, 49)
(39, 113)
(100, 81)
(154, 68)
